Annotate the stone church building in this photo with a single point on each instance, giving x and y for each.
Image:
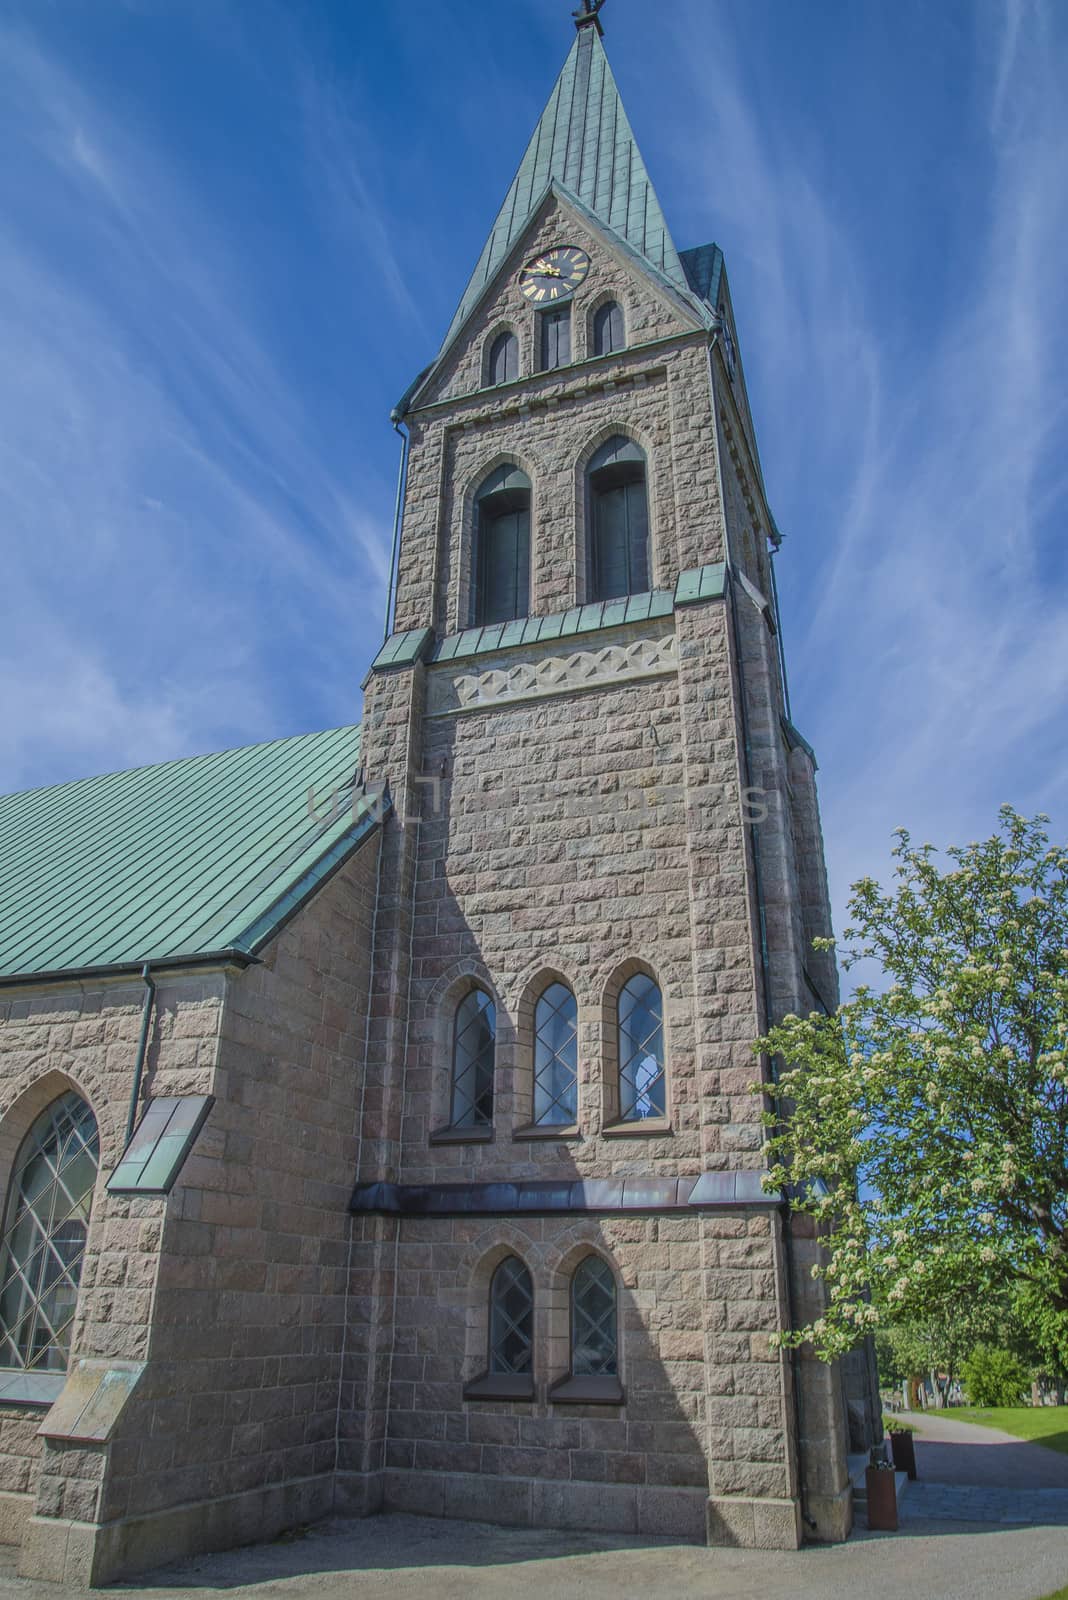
(375, 1117)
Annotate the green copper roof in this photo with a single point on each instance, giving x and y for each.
(703, 266)
(584, 142)
(701, 583)
(175, 861)
(561, 625)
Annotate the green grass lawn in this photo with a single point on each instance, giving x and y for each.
(1046, 1425)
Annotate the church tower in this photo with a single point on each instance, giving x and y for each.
(600, 879)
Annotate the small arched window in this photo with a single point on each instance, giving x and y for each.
(594, 1336)
(503, 366)
(501, 568)
(641, 1050)
(45, 1229)
(511, 1331)
(618, 514)
(608, 328)
(474, 1032)
(556, 1057)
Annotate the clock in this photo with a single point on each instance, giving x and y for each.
(555, 274)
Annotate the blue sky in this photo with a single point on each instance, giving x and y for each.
(235, 231)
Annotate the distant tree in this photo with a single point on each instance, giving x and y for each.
(925, 1124)
(994, 1377)
(1042, 1338)
(937, 1344)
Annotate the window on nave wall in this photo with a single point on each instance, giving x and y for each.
(45, 1229)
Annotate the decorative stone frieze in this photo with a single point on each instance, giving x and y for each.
(563, 674)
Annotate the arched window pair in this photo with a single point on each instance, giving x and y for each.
(617, 534)
(640, 1054)
(593, 1320)
(45, 1228)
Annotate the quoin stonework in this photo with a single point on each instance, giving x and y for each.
(376, 1118)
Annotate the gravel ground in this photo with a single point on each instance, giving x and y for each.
(421, 1558)
(402, 1558)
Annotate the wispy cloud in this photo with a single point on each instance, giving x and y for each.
(182, 549)
(928, 645)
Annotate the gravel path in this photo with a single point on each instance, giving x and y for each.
(949, 1451)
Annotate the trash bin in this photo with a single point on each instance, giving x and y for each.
(881, 1483)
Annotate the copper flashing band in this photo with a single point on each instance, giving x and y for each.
(712, 1191)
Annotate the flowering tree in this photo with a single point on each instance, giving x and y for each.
(925, 1124)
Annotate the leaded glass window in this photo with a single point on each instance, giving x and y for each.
(504, 359)
(556, 1056)
(45, 1229)
(511, 1318)
(608, 329)
(594, 1339)
(501, 589)
(619, 520)
(472, 1061)
(641, 1050)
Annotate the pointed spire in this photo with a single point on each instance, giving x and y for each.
(583, 142)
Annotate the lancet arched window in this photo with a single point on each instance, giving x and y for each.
(642, 1085)
(473, 1043)
(45, 1228)
(618, 511)
(501, 568)
(608, 332)
(556, 1056)
(511, 1331)
(503, 365)
(594, 1331)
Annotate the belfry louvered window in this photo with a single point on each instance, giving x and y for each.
(45, 1229)
(474, 1033)
(555, 338)
(501, 586)
(641, 1050)
(511, 1337)
(618, 513)
(608, 328)
(594, 1337)
(503, 359)
(556, 1056)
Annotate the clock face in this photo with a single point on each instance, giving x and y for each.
(555, 274)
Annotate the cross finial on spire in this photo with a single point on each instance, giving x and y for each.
(587, 17)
